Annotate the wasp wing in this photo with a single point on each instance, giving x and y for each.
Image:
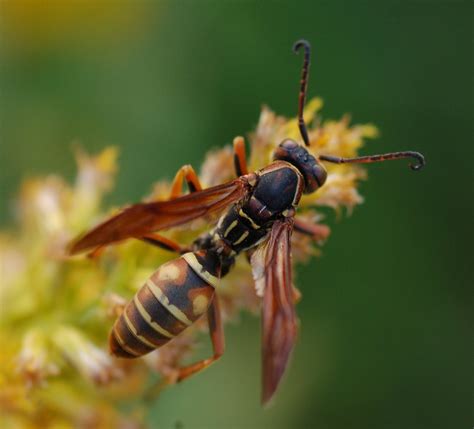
(140, 219)
(279, 324)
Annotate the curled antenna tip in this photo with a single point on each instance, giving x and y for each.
(299, 43)
(420, 161)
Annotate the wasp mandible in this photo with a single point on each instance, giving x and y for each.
(259, 215)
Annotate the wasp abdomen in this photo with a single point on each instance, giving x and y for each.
(174, 297)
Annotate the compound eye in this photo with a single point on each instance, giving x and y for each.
(320, 174)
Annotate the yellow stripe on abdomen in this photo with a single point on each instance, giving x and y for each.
(135, 333)
(151, 323)
(165, 302)
(197, 267)
(121, 342)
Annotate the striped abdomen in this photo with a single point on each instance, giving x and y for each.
(174, 297)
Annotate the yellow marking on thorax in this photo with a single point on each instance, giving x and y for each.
(123, 345)
(193, 262)
(148, 319)
(241, 238)
(230, 228)
(168, 272)
(299, 185)
(163, 299)
(246, 216)
(135, 333)
(200, 304)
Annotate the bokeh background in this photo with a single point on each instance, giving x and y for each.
(385, 315)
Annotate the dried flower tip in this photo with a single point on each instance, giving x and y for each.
(92, 362)
(114, 304)
(35, 362)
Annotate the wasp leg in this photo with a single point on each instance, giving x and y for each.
(240, 159)
(153, 239)
(314, 230)
(218, 342)
(164, 243)
(186, 172)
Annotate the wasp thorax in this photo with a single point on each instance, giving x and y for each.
(313, 172)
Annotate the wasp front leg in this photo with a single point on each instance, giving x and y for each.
(240, 159)
(312, 229)
(216, 331)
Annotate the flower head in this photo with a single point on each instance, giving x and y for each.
(55, 368)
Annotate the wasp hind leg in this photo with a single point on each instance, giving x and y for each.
(240, 159)
(216, 331)
(187, 173)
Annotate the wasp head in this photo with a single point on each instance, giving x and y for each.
(313, 172)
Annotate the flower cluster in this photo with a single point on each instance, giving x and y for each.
(56, 311)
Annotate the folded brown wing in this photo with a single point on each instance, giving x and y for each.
(279, 324)
(140, 219)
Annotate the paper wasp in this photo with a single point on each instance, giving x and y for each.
(259, 215)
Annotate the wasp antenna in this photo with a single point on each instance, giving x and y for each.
(420, 161)
(303, 86)
(379, 158)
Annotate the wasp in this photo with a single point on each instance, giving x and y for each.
(257, 215)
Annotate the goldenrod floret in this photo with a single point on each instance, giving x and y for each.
(35, 361)
(91, 361)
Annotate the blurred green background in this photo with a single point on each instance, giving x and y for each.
(385, 315)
